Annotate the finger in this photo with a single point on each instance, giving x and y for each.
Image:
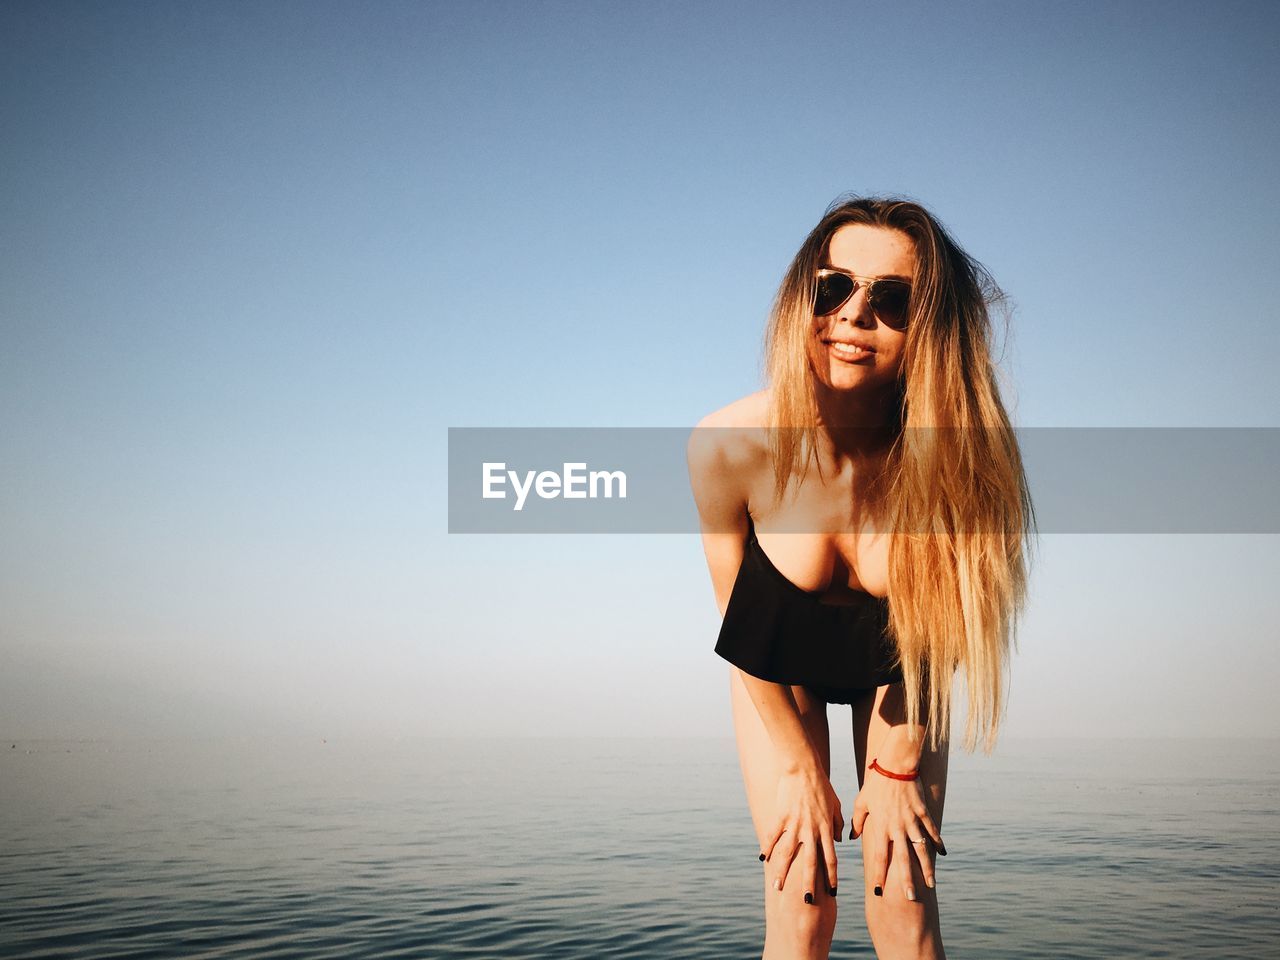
(875, 855)
(932, 830)
(901, 860)
(829, 864)
(778, 829)
(924, 854)
(812, 879)
(787, 851)
(837, 828)
(859, 820)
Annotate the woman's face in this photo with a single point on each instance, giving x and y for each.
(866, 251)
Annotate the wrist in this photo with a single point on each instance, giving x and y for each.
(807, 763)
(892, 773)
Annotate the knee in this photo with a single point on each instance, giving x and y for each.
(806, 928)
(899, 921)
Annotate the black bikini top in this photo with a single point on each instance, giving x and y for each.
(780, 632)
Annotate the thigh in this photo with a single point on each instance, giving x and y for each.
(897, 926)
(793, 928)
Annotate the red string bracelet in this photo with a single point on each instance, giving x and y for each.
(914, 774)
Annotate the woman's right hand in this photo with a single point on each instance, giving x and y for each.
(809, 818)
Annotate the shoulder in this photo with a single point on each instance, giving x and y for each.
(736, 433)
(727, 451)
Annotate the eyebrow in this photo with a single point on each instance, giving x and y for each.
(883, 276)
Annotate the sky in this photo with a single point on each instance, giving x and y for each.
(258, 258)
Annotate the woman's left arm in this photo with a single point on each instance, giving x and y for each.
(892, 791)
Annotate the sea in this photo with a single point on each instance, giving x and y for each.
(606, 848)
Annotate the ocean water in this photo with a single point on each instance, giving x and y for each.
(605, 849)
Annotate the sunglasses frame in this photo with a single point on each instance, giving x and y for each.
(869, 283)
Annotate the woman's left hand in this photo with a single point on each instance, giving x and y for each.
(895, 812)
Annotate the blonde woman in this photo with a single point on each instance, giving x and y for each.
(866, 522)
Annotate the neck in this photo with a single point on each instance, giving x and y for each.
(856, 424)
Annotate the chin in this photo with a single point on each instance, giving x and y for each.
(844, 377)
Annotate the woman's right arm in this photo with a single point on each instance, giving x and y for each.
(719, 461)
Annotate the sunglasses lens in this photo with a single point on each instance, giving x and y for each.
(891, 302)
(833, 290)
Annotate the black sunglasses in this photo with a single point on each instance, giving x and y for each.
(890, 300)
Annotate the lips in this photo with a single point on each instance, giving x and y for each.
(850, 351)
(853, 343)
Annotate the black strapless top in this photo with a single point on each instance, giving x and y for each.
(779, 632)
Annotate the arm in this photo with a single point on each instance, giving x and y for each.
(808, 810)
(901, 811)
(903, 744)
(716, 472)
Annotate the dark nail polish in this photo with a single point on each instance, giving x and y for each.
(762, 858)
(942, 850)
(833, 891)
(808, 898)
(878, 892)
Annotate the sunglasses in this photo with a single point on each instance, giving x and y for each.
(890, 300)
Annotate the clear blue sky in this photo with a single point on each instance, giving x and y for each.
(259, 256)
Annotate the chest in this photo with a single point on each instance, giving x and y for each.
(832, 566)
(830, 536)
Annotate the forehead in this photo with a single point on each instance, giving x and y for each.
(872, 251)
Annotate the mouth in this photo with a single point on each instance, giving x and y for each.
(849, 351)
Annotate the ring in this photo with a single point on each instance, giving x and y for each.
(921, 840)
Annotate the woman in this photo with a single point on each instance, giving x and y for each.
(865, 519)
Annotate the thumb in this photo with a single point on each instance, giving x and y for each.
(859, 818)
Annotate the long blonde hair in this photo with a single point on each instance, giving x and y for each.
(957, 494)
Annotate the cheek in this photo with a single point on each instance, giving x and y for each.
(817, 349)
(894, 366)
(819, 365)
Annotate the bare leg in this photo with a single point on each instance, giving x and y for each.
(899, 928)
(794, 930)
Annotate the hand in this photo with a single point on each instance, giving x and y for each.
(808, 816)
(900, 817)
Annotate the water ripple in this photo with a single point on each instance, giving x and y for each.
(591, 848)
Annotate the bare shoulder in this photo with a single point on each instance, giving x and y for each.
(749, 411)
(727, 451)
(736, 432)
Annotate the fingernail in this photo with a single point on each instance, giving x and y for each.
(833, 891)
(808, 897)
(762, 858)
(942, 850)
(911, 894)
(878, 892)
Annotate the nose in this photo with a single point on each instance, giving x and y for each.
(857, 310)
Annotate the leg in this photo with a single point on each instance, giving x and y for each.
(899, 928)
(794, 930)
